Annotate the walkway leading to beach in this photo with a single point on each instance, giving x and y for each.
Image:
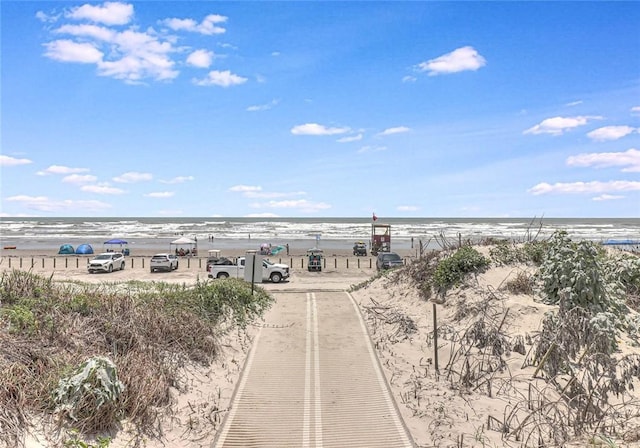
(312, 380)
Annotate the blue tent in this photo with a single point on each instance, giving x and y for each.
(66, 249)
(84, 249)
(116, 241)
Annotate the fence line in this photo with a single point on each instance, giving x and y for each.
(191, 262)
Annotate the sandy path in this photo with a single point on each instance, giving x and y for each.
(312, 379)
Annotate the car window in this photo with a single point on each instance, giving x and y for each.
(103, 257)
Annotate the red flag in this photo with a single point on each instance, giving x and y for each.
(375, 218)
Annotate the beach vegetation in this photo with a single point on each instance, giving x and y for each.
(87, 357)
(579, 372)
(451, 270)
(505, 252)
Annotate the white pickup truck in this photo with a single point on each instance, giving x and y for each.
(274, 272)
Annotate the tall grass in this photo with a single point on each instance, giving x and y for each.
(148, 330)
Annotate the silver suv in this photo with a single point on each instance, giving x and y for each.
(388, 260)
(107, 262)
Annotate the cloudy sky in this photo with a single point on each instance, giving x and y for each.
(341, 109)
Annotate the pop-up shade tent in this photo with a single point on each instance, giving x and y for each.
(117, 242)
(181, 243)
(84, 249)
(66, 249)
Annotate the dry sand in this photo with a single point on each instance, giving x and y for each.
(436, 410)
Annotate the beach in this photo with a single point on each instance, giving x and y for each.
(440, 406)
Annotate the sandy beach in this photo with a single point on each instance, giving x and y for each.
(439, 404)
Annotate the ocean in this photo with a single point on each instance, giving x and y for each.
(327, 233)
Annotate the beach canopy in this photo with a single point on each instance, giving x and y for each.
(183, 240)
(84, 249)
(116, 241)
(66, 249)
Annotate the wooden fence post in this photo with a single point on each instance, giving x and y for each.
(435, 338)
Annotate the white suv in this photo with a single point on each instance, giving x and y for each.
(163, 262)
(107, 262)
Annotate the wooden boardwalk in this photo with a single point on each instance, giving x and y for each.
(312, 379)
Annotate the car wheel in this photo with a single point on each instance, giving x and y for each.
(276, 277)
(110, 268)
(223, 275)
(122, 266)
(177, 264)
(151, 270)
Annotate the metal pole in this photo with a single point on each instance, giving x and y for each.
(253, 275)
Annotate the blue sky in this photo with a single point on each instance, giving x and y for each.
(341, 109)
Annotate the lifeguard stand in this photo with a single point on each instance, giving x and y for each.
(380, 238)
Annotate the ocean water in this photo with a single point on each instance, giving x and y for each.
(157, 233)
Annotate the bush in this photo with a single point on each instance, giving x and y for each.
(452, 270)
(572, 275)
(89, 396)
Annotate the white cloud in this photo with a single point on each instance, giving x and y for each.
(208, 26)
(408, 208)
(44, 204)
(133, 177)
(128, 55)
(178, 180)
(102, 189)
(261, 107)
(79, 179)
(200, 58)
(12, 161)
(317, 129)
(558, 125)
(610, 133)
(352, 138)
(69, 51)
(607, 197)
(409, 78)
(629, 160)
(60, 169)
(574, 103)
(160, 194)
(222, 79)
(100, 33)
(396, 130)
(459, 60)
(635, 110)
(110, 13)
(584, 187)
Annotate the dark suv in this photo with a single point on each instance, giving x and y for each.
(360, 249)
(388, 260)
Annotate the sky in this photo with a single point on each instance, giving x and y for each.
(320, 109)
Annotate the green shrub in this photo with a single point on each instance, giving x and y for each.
(21, 319)
(451, 271)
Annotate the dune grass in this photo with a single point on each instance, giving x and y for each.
(147, 330)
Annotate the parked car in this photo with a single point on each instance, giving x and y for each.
(388, 260)
(273, 272)
(360, 249)
(106, 262)
(163, 262)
